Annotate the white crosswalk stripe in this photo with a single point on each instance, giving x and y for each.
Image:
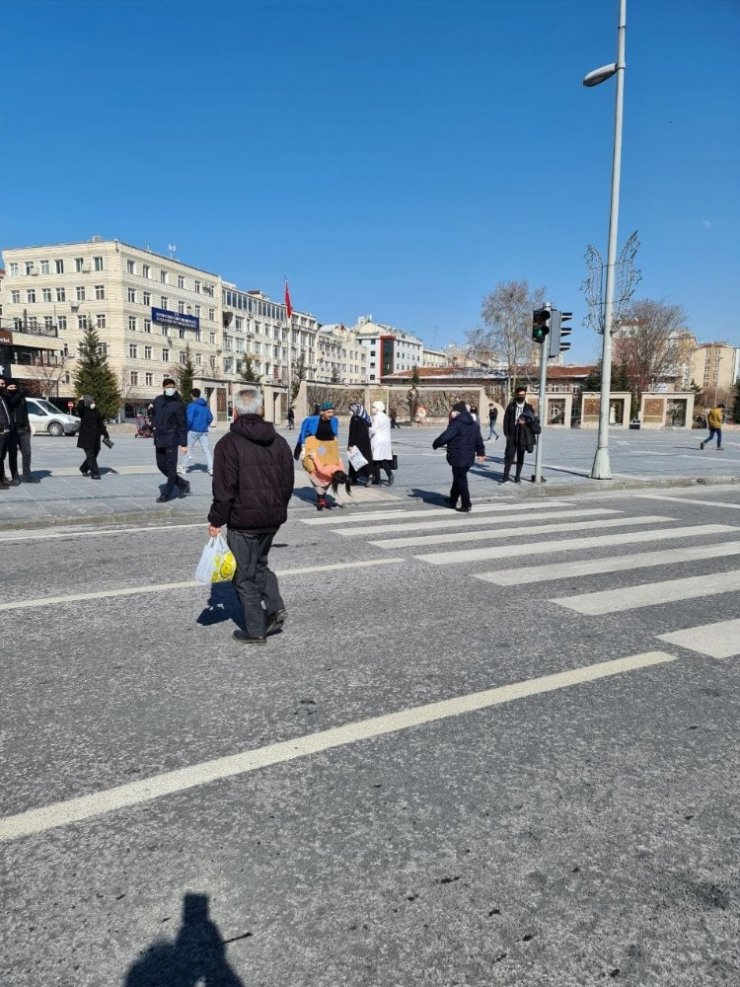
(649, 594)
(611, 563)
(572, 544)
(720, 640)
(429, 512)
(519, 532)
(452, 520)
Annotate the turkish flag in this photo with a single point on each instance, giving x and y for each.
(288, 306)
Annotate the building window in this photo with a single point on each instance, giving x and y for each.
(147, 298)
(181, 308)
(211, 313)
(62, 322)
(146, 271)
(29, 267)
(147, 352)
(196, 286)
(44, 266)
(212, 338)
(13, 270)
(46, 294)
(163, 277)
(79, 263)
(133, 351)
(131, 294)
(163, 300)
(61, 294)
(134, 377)
(31, 296)
(132, 323)
(33, 323)
(130, 267)
(197, 311)
(183, 357)
(147, 325)
(181, 333)
(198, 359)
(15, 297)
(80, 293)
(100, 320)
(165, 355)
(180, 281)
(149, 380)
(59, 264)
(48, 322)
(98, 263)
(82, 322)
(99, 292)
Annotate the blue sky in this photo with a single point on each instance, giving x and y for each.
(393, 157)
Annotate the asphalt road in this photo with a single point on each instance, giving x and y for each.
(449, 769)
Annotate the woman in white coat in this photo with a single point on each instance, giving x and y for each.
(380, 442)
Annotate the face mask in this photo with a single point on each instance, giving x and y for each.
(169, 391)
(92, 404)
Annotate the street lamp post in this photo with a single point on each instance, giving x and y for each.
(601, 469)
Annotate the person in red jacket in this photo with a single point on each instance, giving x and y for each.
(253, 477)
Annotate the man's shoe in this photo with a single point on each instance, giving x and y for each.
(450, 502)
(275, 622)
(95, 476)
(720, 448)
(162, 499)
(15, 482)
(321, 504)
(27, 478)
(701, 445)
(517, 479)
(391, 478)
(504, 479)
(184, 488)
(243, 638)
(463, 510)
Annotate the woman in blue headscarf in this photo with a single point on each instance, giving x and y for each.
(359, 439)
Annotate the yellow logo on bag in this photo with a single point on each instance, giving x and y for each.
(224, 567)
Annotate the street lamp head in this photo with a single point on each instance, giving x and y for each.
(600, 75)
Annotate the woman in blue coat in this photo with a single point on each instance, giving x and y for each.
(464, 441)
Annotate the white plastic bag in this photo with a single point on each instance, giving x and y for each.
(217, 564)
(356, 459)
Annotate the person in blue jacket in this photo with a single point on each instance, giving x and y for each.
(323, 426)
(199, 418)
(464, 441)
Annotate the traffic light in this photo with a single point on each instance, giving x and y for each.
(540, 324)
(558, 329)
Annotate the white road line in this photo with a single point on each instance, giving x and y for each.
(96, 534)
(687, 500)
(135, 793)
(452, 520)
(720, 640)
(613, 563)
(518, 532)
(166, 587)
(650, 594)
(571, 544)
(431, 512)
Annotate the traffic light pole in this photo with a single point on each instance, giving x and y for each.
(544, 347)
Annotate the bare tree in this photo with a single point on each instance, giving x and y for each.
(48, 376)
(507, 314)
(652, 341)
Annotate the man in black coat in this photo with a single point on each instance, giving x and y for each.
(19, 435)
(253, 476)
(5, 424)
(92, 430)
(169, 422)
(519, 419)
(463, 440)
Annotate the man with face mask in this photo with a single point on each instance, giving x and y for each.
(20, 434)
(519, 421)
(169, 421)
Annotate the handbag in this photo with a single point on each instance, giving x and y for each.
(394, 462)
(356, 459)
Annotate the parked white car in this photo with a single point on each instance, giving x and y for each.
(44, 417)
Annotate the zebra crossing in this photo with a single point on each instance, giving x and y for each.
(553, 533)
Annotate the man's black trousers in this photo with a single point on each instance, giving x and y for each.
(254, 582)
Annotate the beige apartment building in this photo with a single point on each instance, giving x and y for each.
(149, 310)
(714, 368)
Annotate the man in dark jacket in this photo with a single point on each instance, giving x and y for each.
(519, 419)
(463, 440)
(20, 434)
(169, 421)
(253, 476)
(92, 430)
(5, 423)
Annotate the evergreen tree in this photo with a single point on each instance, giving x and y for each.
(93, 375)
(185, 375)
(248, 373)
(335, 378)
